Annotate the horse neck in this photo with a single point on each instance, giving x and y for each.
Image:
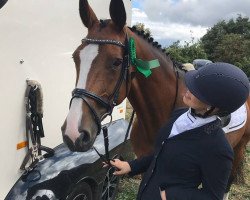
(153, 98)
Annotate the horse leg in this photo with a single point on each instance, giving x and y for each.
(139, 140)
(239, 161)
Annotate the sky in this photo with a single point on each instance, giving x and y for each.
(172, 20)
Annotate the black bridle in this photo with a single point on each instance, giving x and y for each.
(113, 98)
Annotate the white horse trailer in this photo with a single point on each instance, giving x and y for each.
(37, 39)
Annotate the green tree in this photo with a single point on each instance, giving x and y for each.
(240, 26)
(216, 34)
(229, 42)
(141, 27)
(232, 48)
(244, 64)
(186, 53)
(213, 37)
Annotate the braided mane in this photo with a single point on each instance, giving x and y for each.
(147, 37)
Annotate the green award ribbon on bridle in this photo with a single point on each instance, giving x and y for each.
(142, 66)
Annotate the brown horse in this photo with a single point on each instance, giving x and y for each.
(105, 77)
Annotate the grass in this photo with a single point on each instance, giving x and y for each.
(129, 186)
(242, 191)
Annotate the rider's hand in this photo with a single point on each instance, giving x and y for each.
(122, 167)
(163, 195)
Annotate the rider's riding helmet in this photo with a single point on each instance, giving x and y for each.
(219, 85)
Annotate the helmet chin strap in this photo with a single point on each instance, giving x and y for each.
(205, 115)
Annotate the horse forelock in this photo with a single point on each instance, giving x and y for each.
(104, 22)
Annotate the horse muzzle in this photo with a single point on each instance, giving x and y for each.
(79, 141)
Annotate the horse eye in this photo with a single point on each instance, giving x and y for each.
(117, 62)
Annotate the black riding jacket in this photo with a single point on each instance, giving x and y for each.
(180, 164)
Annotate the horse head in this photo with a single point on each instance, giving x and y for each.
(102, 75)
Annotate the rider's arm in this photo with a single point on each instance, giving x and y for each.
(140, 165)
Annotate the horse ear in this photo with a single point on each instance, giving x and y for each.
(118, 13)
(87, 14)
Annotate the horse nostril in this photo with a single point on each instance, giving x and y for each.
(84, 136)
(83, 142)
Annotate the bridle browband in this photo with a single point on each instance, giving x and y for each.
(113, 98)
(96, 41)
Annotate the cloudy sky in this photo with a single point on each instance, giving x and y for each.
(172, 20)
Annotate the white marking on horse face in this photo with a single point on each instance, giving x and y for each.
(87, 55)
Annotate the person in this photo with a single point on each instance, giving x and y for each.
(200, 63)
(187, 67)
(192, 159)
(235, 120)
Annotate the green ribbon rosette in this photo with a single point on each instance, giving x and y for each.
(142, 66)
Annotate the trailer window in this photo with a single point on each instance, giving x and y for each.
(2, 2)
